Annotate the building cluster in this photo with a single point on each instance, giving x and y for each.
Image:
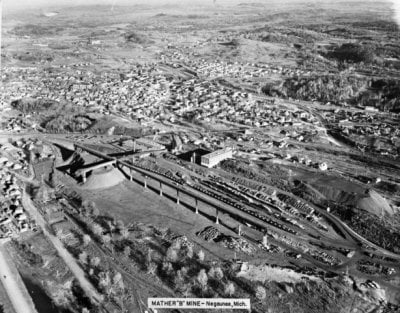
(323, 166)
(146, 94)
(256, 114)
(141, 89)
(204, 101)
(12, 158)
(197, 99)
(16, 124)
(18, 83)
(219, 68)
(235, 70)
(13, 218)
(364, 127)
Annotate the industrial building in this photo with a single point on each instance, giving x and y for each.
(142, 144)
(148, 144)
(213, 158)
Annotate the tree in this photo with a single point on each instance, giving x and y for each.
(117, 278)
(229, 289)
(152, 268)
(83, 257)
(189, 251)
(219, 274)
(84, 208)
(127, 251)
(178, 280)
(216, 273)
(260, 293)
(95, 261)
(91, 206)
(200, 255)
(68, 284)
(86, 240)
(105, 281)
(148, 256)
(186, 288)
(124, 232)
(120, 225)
(211, 272)
(167, 268)
(61, 294)
(176, 244)
(202, 279)
(118, 282)
(97, 229)
(172, 255)
(105, 239)
(111, 226)
(95, 212)
(184, 270)
(59, 233)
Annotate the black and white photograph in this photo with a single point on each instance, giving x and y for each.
(199, 156)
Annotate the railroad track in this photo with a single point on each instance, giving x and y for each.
(348, 233)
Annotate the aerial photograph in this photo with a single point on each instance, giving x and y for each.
(190, 156)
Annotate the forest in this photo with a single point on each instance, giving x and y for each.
(381, 93)
(327, 88)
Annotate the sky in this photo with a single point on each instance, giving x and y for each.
(42, 3)
(23, 4)
(396, 6)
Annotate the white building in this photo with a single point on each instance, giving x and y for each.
(213, 158)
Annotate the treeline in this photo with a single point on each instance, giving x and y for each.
(35, 30)
(134, 37)
(28, 105)
(178, 266)
(353, 52)
(321, 88)
(383, 93)
(69, 123)
(288, 36)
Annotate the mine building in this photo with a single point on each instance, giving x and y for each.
(145, 144)
(213, 158)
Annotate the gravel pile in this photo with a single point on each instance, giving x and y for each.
(238, 244)
(209, 233)
(183, 241)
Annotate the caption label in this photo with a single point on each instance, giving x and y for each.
(198, 303)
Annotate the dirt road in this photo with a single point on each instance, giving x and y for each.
(14, 286)
(69, 260)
